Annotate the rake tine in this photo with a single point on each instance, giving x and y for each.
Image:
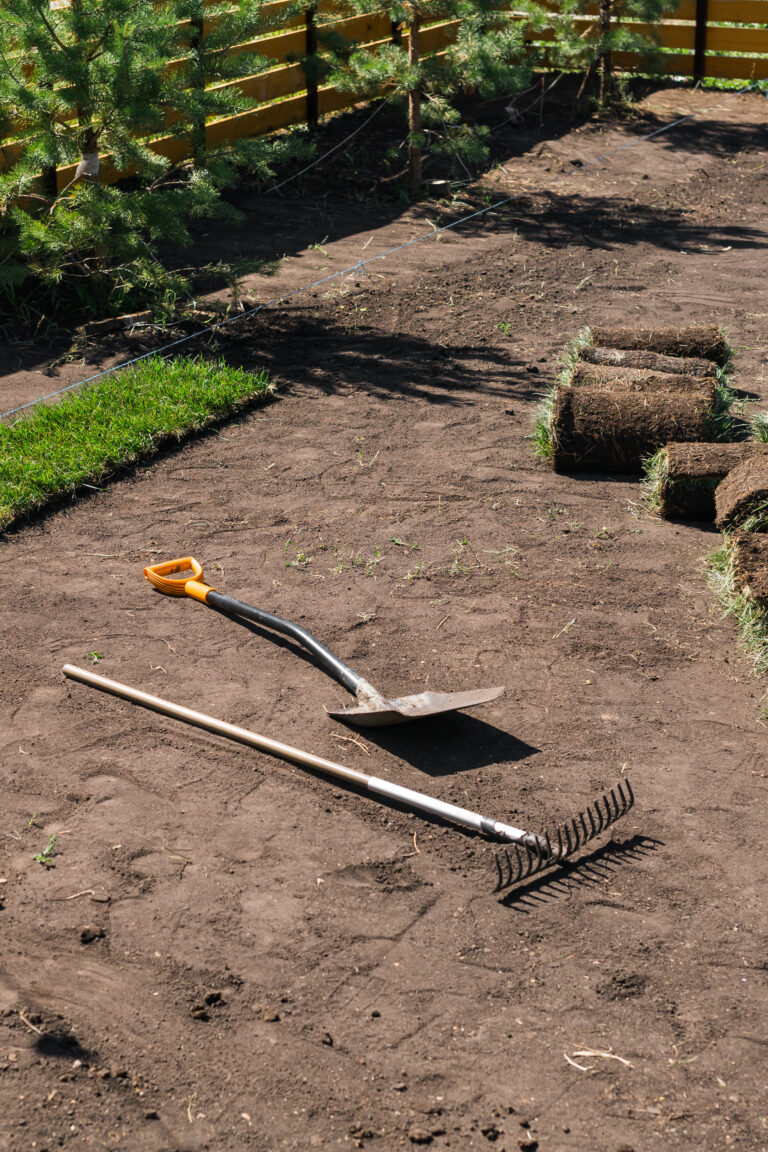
(615, 805)
(572, 835)
(608, 818)
(583, 822)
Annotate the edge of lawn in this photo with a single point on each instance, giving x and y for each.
(127, 417)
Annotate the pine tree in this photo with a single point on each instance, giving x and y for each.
(590, 48)
(92, 78)
(488, 59)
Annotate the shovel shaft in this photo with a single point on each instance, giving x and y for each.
(417, 801)
(337, 668)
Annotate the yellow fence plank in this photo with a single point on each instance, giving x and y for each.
(286, 82)
(726, 11)
(751, 40)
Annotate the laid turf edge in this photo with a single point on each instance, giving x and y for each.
(750, 616)
(127, 417)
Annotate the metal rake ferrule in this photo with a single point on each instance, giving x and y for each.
(515, 864)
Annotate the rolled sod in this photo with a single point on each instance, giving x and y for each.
(751, 565)
(743, 495)
(641, 380)
(706, 342)
(686, 476)
(598, 431)
(639, 358)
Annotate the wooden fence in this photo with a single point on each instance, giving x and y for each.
(724, 39)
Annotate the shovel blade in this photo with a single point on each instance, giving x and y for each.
(403, 708)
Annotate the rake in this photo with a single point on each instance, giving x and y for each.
(514, 865)
(533, 852)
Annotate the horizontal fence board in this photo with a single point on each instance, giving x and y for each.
(677, 36)
(280, 91)
(725, 11)
(718, 67)
(737, 68)
(751, 40)
(361, 28)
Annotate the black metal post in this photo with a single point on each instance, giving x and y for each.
(700, 42)
(310, 68)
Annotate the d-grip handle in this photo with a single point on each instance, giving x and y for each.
(173, 578)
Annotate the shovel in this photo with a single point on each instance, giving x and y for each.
(184, 577)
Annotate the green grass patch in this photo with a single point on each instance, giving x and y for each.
(127, 416)
(751, 617)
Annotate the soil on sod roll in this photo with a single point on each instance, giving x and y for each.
(641, 380)
(751, 564)
(706, 342)
(598, 431)
(742, 492)
(656, 361)
(692, 472)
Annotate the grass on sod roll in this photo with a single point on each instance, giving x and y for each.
(542, 435)
(751, 617)
(759, 427)
(655, 473)
(124, 417)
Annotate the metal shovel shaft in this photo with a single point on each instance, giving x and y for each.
(418, 801)
(372, 709)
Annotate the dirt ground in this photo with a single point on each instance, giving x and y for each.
(231, 953)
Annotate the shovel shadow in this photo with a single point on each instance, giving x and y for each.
(450, 743)
(438, 745)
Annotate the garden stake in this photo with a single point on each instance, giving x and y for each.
(185, 578)
(540, 851)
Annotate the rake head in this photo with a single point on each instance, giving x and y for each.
(515, 864)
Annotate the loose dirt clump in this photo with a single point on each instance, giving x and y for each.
(683, 477)
(655, 361)
(742, 497)
(641, 380)
(706, 342)
(598, 431)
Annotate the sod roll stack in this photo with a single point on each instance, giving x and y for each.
(616, 379)
(706, 342)
(627, 392)
(597, 430)
(683, 477)
(656, 361)
(751, 565)
(741, 500)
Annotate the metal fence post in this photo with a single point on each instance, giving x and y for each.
(310, 67)
(700, 42)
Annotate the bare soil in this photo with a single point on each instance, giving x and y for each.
(231, 953)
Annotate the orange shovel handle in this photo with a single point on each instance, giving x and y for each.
(163, 578)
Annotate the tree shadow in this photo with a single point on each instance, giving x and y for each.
(312, 351)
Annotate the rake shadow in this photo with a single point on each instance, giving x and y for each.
(592, 870)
